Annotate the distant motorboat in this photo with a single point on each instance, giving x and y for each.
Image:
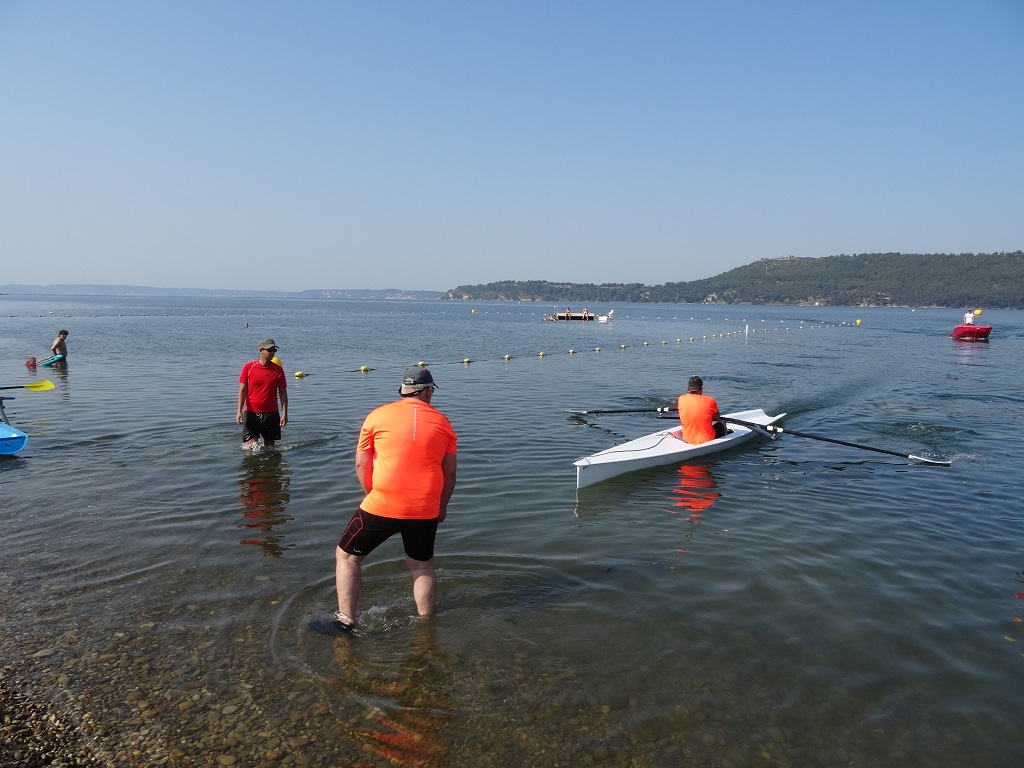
(972, 332)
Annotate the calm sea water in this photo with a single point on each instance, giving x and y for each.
(790, 603)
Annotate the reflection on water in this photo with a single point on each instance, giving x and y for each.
(396, 689)
(697, 489)
(695, 493)
(263, 481)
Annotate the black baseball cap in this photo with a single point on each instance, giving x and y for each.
(416, 379)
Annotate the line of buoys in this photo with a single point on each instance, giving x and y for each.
(745, 332)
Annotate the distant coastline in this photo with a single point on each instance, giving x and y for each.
(992, 280)
(143, 290)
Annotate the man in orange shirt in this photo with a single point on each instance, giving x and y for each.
(405, 462)
(698, 414)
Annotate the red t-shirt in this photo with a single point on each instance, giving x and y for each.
(408, 439)
(262, 382)
(695, 412)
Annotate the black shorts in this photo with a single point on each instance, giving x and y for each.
(365, 532)
(265, 425)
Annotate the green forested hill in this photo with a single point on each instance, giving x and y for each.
(994, 280)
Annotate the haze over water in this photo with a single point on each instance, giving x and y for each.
(789, 603)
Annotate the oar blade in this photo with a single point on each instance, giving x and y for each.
(936, 462)
(39, 386)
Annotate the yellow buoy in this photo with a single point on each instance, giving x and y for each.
(421, 364)
(540, 354)
(364, 369)
(276, 361)
(472, 311)
(466, 360)
(299, 374)
(507, 357)
(858, 321)
(977, 313)
(572, 351)
(622, 346)
(597, 349)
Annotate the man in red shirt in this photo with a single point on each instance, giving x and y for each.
(405, 462)
(260, 385)
(698, 414)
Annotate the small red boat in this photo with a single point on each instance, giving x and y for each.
(972, 332)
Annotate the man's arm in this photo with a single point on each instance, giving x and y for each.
(364, 469)
(243, 389)
(448, 465)
(282, 392)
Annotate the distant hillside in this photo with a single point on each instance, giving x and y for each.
(143, 290)
(994, 280)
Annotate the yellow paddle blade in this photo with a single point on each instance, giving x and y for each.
(39, 386)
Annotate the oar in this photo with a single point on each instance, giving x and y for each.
(35, 386)
(780, 430)
(661, 409)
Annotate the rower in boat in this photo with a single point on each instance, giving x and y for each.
(698, 414)
(667, 446)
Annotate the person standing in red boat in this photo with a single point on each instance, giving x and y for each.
(698, 414)
(969, 317)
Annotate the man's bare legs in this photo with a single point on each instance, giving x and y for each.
(348, 579)
(424, 584)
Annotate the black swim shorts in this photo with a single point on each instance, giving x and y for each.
(265, 425)
(365, 532)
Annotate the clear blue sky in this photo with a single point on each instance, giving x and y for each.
(294, 145)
